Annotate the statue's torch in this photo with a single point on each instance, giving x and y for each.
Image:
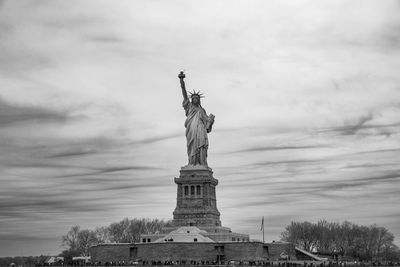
(181, 75)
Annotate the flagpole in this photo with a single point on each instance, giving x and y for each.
(262, 226)
(263, 231)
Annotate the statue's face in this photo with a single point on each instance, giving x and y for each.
(195, 100)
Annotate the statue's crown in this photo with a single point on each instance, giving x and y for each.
(194, 93)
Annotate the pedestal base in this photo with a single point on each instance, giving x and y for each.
(196, 198)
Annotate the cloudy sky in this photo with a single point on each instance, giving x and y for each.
(306, 96)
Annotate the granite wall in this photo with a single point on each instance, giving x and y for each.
(198, 251)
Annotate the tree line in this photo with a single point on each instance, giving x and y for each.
(77, 241)
(371, 243)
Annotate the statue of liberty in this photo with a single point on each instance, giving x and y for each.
(197, 124)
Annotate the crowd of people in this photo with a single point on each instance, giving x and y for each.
(229, 263)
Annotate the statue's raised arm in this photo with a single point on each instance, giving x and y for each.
(181, 76)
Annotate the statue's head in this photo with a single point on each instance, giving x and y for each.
(195, 100)
(195, 96)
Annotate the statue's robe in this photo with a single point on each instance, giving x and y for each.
(196, 133)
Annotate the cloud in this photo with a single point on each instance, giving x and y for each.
(361, 129)
(153, 139)
(73, 153)
(293, 162)
(370, 165)
(10, 114)
(106, 39)
(354, 128)
(98, 171)
(272, 148)
(380, 151)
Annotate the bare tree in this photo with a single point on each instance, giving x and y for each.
(86, 239)
(301, 234)
(102, 234)
(348, 239)
(70, 240)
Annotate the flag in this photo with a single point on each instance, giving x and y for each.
(262, 224)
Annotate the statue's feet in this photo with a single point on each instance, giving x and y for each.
(195, 167)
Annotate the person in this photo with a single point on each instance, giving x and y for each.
(197, 124)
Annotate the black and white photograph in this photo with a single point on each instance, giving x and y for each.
(209, 133)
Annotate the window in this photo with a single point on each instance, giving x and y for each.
(266, 250)
(233, 239)
(220, 250)
(148, 240)
(133, 252)
(198, 190)
(195, 239)
(192, 190)
(186, 190)
(144, 240)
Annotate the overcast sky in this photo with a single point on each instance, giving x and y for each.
(306, 96)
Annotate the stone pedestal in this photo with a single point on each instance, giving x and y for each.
(196, 198)
(196, 207)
